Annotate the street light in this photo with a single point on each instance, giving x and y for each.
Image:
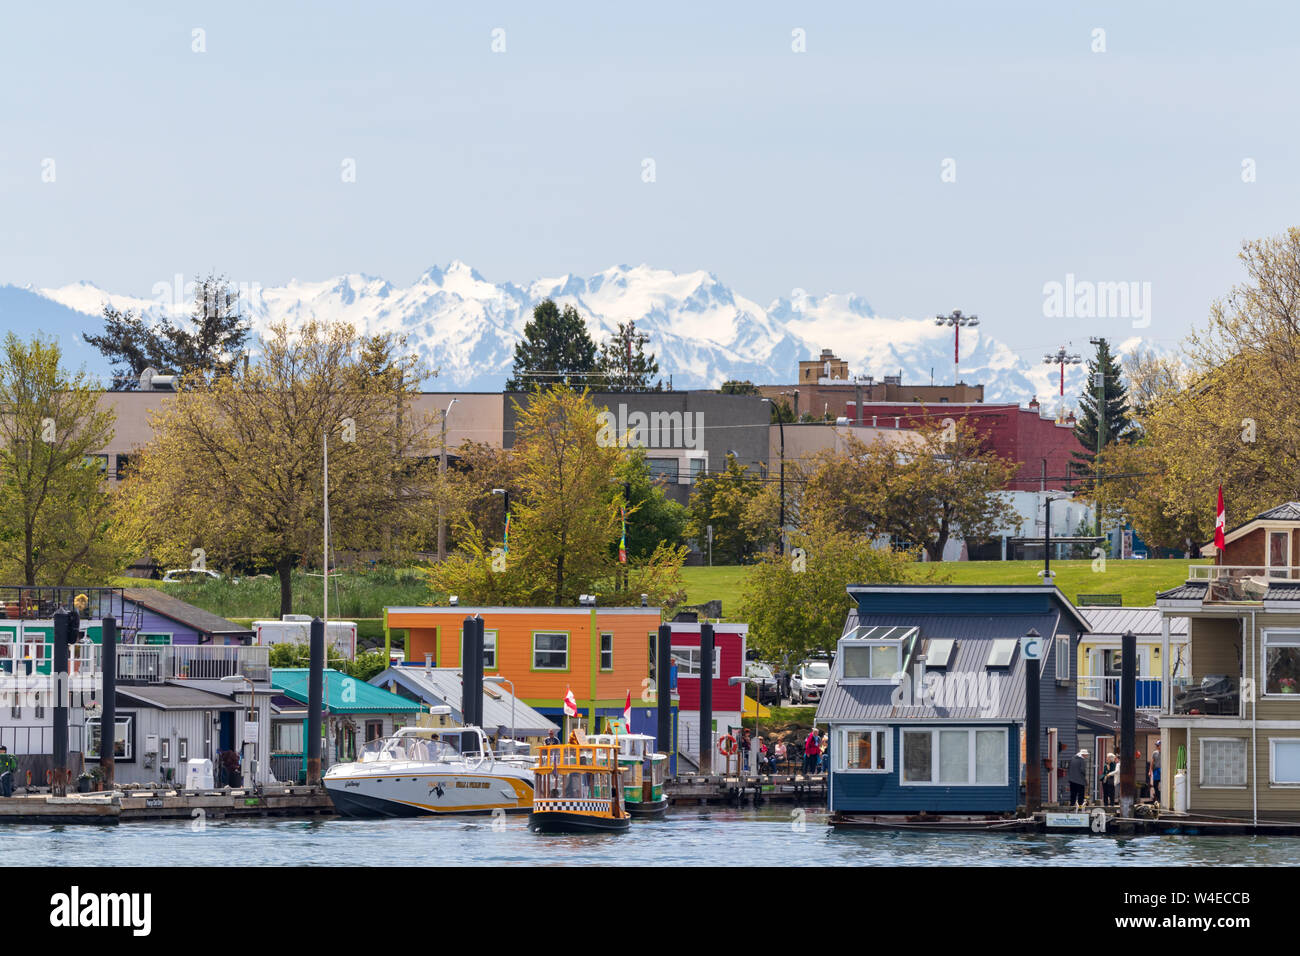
(505, 680)
(442, 470)
(956, 320)
(1062, 358)
(231, 678)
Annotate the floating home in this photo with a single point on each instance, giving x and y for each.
(926, 700)
(441, 687)
(1233, 724)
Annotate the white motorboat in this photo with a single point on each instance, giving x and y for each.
(422, 771)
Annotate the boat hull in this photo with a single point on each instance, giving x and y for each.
(647, 811)
(560, 821)
(413, 794)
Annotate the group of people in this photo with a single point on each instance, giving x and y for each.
(1077, 775)
(816, 752)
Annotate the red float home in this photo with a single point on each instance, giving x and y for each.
(728, 662)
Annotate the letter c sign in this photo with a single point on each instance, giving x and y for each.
(1032, 648)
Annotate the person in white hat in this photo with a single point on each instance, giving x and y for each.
(1077, 775)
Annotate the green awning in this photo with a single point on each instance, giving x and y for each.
(343, 694)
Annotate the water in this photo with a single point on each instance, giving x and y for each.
(688, 837)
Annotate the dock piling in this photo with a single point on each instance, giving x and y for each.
(59, 676)
(1127, 723)
(663, 693)
(706, 698)
(108, 714)
(315, 699)
(1033, 728)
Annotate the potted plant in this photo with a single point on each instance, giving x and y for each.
(83, 783)
(97, 777)
(1288, 685)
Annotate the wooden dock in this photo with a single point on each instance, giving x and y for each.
(130, 806)
(746, 788)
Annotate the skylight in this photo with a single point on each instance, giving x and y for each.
(1003, 650)
(938, 652)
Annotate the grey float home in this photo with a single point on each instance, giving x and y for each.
(926, 701)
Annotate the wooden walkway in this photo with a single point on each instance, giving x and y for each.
(746, 788)
(128, 806)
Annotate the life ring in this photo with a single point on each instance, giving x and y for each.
(727, 745)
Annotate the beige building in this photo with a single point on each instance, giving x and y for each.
(804, 441)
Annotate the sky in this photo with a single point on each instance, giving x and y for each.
(927, 156)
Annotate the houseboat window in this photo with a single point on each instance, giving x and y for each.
(1223, 762)
(1278, 558)
(1285, 760)
(1063, 657)
(866, 749)
(1001, 653)
(939, 652)
(182, 749)
(40, 708)
(374, 728)
(654, 660)
(122, 745)
(550, 651)
(872, 661)
(166, 750)
(687, 660)
(965, 756)
(489, 650)
(286, 737)
(607, 652)
(1282, 663)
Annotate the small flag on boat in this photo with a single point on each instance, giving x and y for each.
(627, 712)
(1220, 522)
(570, 703)
(622, 541)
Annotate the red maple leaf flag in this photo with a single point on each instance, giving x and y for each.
(627, 712)
(570, 705)
(1220, 522)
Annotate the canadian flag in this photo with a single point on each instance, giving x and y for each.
(627, 712)
(570, 703)
(1220, 522)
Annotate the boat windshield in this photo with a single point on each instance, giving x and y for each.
(406, 748)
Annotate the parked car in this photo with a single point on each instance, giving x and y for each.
(768, 691)
(809, 681)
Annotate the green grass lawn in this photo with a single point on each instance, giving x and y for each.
(1136, 581)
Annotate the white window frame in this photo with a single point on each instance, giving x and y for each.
(1278, 637)
(563, 634)
(682, 672)
(1272, 763)
(128, 751)
(841, 747)
(1063, 659)
(1200, 777)
(1269, 566)
(972, 771)
(602, 668)
(489, 647)
(947, 660)
(893, 677)
(1004, 642)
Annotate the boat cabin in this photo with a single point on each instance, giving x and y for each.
(577, 778)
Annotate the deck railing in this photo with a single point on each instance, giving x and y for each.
(1216, 695)
(1239, 582)
(155, 664)
(1106, 688)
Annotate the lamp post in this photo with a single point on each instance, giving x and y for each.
(956, 320)
(442, 470)
(1062, 358)
(230, 678)
(505, 680)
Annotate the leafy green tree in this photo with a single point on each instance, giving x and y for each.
(653, 517)
(796, 605)
(59, 522)
(722, 500)
(782, 411)
(556, 348)
(624, 364)
(737, 387)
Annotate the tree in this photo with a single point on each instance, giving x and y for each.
(556, 347)
(653, 517)
(737, 387)
(564, 523)
(782, 412)
(59, 522)
(1115, 415)
(920, 493)
(214, 343)
(722, 499)
(796, 605)
(233, 474)
(624, 365)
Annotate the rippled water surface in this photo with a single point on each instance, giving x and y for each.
(719, 837)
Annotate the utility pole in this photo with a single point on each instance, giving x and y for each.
(956, 320)
(442, 470)
(1099, 383)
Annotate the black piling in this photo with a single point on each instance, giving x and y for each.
(315, 699)
(108, 715)
(59, 677)
(471, 672)
(706, 698)
(1127, 723)
(663, 693)
(1033, 732)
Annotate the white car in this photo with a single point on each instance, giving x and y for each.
(809, 681)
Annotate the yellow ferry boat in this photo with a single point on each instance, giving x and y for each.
(577, 788)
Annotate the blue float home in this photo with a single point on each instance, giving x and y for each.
(926, 700)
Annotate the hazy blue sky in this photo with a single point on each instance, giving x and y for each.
(774, 169)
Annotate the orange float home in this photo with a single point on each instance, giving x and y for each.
(600, 653)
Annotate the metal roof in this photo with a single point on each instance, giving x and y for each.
(441, 686)
(171, 697)
(1185, 592)
(1106, 621)
(205, 622)
(1283, 591)
(1286, 511)
(343, 694)
(1001, 687)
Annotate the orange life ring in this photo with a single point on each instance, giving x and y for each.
(723, 745)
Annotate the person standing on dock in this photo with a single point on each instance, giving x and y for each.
(8, 767)
(1155, 772)
(1077, 775)
(1110, 774)
(812, 751)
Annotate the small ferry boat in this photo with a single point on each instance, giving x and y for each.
(423, 771)
(578, 789)
(643, 771)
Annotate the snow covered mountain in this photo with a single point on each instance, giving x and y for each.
(701, 330)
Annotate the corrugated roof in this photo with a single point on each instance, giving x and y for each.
(1286, 511)
(205, 622)
(441, 686)
(343, 694)
(1283, 591)
(1185, 592)
(171, 697)
(1106, 621)
(1003, 688)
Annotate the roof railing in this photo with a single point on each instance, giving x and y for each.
(1240, 583)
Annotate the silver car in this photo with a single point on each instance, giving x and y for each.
(809, 681)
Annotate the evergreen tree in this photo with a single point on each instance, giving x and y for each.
(556, 347)
(737, 387)
(132, 345)
(624, 365)
(1117, 422)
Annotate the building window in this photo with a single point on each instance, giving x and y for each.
(122, 748)
(607, 652)
(665, 468)
(286, 737)
(489, 650)
(15, 713)
(98, 462)
(1223, 762)
(165, 745)
(374, 730)
(866, 749)
(699, 467)
(1284, 761)
(40, 708)
(550, 651)
(1282, 663)
(687, 660)
(872, 661)
(955, 757)
(654, 659)
(182, 750)
(1063, 657)
(123, 466)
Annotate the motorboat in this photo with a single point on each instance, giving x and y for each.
(642, 769)
(427, 771)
